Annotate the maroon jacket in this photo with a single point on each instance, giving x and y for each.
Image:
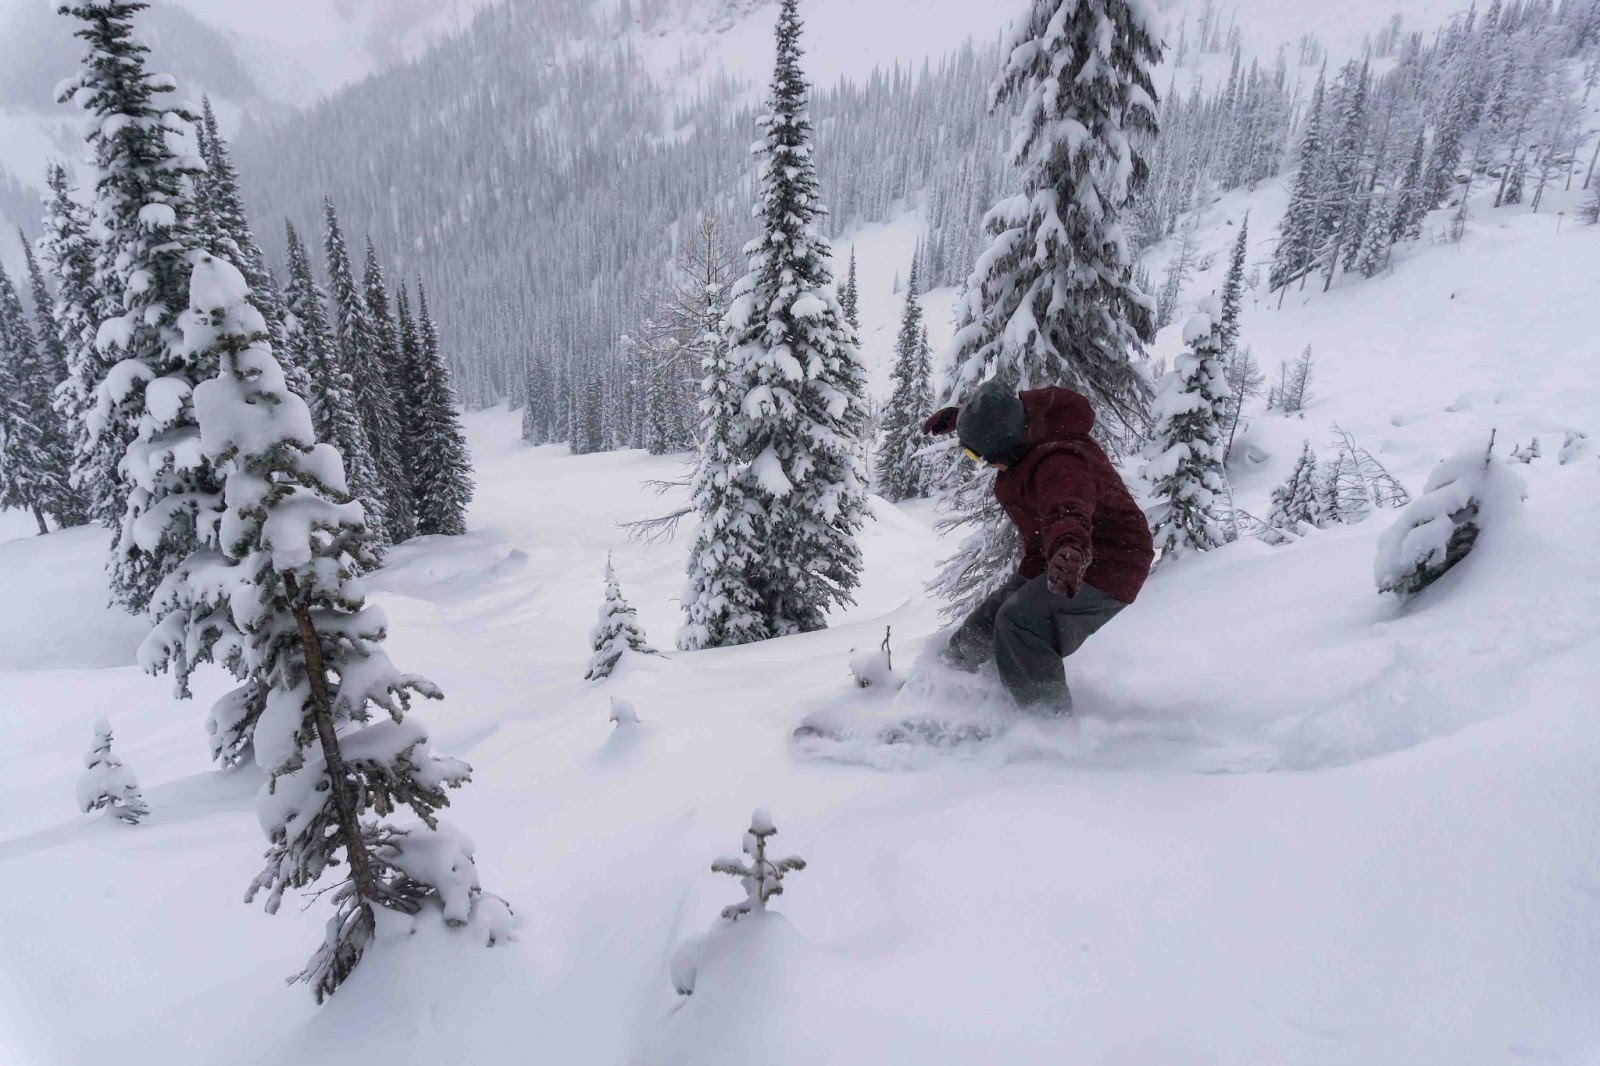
(1065, 491)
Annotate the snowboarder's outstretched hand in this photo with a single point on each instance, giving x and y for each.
(941, 422)
(1065, 576)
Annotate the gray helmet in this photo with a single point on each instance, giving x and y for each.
(992, 423)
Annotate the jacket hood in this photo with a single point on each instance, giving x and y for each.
(1056, 413)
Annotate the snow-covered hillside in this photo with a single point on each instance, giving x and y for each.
(1293, 823)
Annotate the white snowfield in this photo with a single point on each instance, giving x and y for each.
(1293, 823)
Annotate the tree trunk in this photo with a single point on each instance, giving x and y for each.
(1592, 158)
(344, 799)
(38, 516)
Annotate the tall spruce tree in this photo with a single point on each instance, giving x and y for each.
(800, 378)
(1184, 456)
(70, 253)
(1233, 290)
(1343, 185)
(339, 771)
(389, 377)
(1053, 300)
(439, 464)
(335, 413)
(902, 473)
(361, 355)
(1300, 230)
(850, 295)
(143, 212)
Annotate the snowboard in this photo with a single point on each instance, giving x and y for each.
(890, 720)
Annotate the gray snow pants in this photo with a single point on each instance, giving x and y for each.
(1028, 630)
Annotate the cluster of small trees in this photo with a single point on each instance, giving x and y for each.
(1494, 97)
(1341, 491)
(372, 370)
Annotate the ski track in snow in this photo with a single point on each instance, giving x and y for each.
(1293, 822)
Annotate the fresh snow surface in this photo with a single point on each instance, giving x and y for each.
(1294, 822)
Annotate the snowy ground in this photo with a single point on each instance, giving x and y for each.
(1293, 823)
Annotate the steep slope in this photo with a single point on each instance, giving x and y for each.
(1294, 823)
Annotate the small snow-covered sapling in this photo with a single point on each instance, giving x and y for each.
(616, 631)
(108, 783)
(761, 877)
(1526, 453)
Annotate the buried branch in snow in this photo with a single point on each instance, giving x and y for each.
(875, 666)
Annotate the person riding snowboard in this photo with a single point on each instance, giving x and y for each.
(1086, 545)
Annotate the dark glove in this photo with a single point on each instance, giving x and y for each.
(1065, 575)
(941, 422)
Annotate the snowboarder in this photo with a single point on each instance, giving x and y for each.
(1086, 544)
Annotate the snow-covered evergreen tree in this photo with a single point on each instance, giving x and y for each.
(902, 474)
(69, 505)
(1444, 155)
(1052, 301)
(1378, 238)
(1296, 501)
(1233, 290)
(1300, 231)
(799, 378)
(338, 772)
(142, 214)
(386, 378)
(720, 607)
(850, 295)
(361, 356)
(760, 876)
(615, 631)
(105, 782)
(1343, 183)
(35, 462)
(70, 253)
(1411, 204)
(1185, 453)
(438, 463)
(335, 413)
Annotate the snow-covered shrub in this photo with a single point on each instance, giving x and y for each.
(1464, 494)
(1574, 446)
(622, 713)
(1526, 453)
(761, 877)
(107, 783)
(1184, 454)
(615, 631)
